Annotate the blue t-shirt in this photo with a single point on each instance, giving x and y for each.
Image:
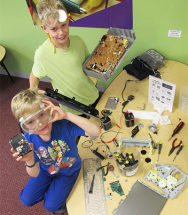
(59, 155)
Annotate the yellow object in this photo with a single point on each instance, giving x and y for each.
(125, 42)
(92, 4)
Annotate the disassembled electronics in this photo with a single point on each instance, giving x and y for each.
(71, 103)
(20, 144)
(136, 129)
(95, 203)
(116, 187)
(109, 53)
(163, 176)
(112, 103)
(137, 142)
(152, 203)
(153, 59)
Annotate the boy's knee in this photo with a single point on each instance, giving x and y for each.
(26, 202)
(50, 207)
(53, 206)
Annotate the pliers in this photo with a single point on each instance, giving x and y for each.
(174, 147)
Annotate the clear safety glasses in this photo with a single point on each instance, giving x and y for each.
(31, 123)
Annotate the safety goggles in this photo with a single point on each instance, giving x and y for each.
(31, 123)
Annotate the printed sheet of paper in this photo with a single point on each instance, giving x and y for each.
(162, 92)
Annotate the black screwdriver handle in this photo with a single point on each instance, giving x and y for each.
(178, 128)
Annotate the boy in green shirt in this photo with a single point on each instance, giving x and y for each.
(60, 58)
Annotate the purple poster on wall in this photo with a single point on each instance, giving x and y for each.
(92, 13)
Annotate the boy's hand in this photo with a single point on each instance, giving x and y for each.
(27, 157)
(56, 112)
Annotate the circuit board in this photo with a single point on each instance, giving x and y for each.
(95, 202)
(107, 54)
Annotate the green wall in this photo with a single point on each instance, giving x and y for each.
(151, 21)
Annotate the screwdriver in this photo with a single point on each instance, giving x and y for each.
(177, 129)
(73, 7)
(92, 184)
(159, 150)
(179, 150)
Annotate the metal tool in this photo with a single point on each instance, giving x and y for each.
(177, 129)
(92, 184)
(179, 150)
(73, 7)
(95, 203)
(159, 150)
(174, 147)
(136, 142)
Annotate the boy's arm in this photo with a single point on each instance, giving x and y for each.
(29, 161)
(33, 81)
(32, 171)
(90, 128)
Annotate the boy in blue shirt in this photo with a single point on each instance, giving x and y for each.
(54, 163)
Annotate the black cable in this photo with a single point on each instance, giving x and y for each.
(125, 87)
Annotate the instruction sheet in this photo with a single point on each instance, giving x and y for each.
(161, 92)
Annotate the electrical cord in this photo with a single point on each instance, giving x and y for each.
(125, 87)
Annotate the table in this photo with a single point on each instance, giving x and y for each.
(173, 72)
(2, 57)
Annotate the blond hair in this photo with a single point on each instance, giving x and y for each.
(49, 9)
(26, 102)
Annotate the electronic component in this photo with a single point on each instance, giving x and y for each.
(20, 144)
(71, 103)
(163, 176)
(130, 98)
(153, 59)
(112, 103)
(116, 187)
(136, 142)
(109, 53)
(136, 129)
(129, 119)
(115, 143)
(105, 120)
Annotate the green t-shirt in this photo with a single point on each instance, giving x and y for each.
(64, 68)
